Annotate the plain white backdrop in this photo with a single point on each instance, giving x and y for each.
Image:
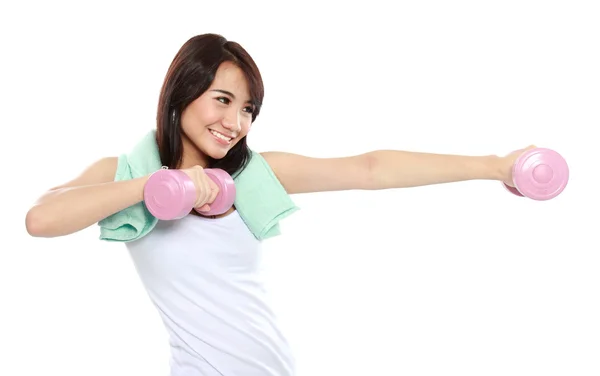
(457, 279)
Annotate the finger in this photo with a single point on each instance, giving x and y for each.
(206, 191)
(214, 191)
(201, 193)
(530, 147)
(199, 189)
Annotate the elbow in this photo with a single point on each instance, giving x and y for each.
(373, 180)
(37, 223)
(380, 171)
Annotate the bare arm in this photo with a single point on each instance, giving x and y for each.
(381, 169)
(84, 201)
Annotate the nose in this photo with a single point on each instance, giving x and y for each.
(231, 122)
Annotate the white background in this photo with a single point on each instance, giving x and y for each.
(457, 279)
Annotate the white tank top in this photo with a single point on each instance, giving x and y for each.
(203, 275)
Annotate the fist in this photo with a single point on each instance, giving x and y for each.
(508, 162)
(206, 189)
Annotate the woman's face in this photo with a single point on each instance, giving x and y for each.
(216, 121)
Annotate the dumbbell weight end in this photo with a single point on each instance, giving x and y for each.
(227, 191)
(169, 194)
(539, 174)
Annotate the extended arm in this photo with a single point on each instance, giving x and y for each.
(381, 169)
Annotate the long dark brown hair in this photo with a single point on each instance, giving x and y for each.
(190, 74)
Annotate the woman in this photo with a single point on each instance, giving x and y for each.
(201, 272)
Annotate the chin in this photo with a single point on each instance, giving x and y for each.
(217, 152)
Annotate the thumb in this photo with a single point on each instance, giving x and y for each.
(203, 208)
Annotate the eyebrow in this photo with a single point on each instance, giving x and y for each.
(230, 94)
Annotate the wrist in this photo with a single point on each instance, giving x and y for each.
(494, 169)
(138, 185)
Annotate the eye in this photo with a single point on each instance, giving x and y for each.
(227, 101)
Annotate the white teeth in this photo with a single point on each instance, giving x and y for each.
(220, 135)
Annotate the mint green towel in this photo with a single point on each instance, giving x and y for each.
(260, 200)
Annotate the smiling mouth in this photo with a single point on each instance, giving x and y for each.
(220, 136)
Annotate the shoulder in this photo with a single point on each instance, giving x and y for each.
(102, 170)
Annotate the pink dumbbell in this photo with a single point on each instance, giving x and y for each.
(539, 174)
(171, 194)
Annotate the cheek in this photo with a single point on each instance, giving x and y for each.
(208, 116)
(246, 126)
(200, 115)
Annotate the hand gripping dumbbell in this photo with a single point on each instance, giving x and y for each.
(539, 174)
(171, 194)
